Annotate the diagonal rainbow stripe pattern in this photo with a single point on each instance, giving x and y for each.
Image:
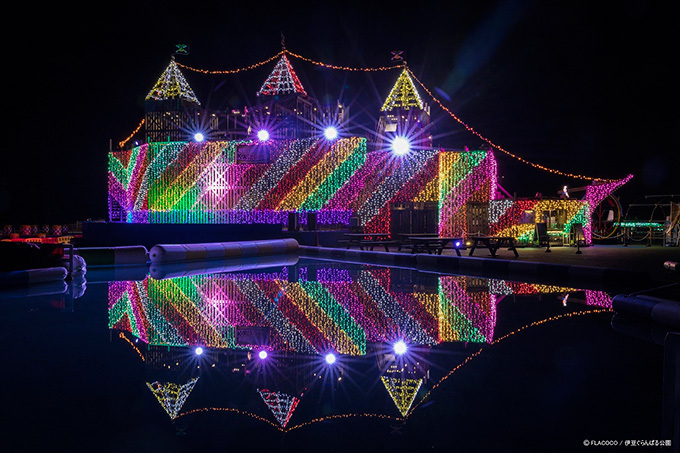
(338, 310)
(212, 182)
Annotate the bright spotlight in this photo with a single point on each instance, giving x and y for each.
(330, 133)
(401, 146)
(262, 355)
(330, 358)
(400, 347)
(199, 137)
(198, 350)
(262, 135)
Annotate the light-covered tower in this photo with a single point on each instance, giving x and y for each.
(283, 104)
(404, 113)
(172, 110)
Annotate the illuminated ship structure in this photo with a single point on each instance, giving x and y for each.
(288, 154)
(278, 330)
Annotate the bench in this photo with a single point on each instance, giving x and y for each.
(493, 243)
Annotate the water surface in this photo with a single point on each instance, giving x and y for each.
(110, 363)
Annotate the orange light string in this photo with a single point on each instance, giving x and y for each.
(498, 340)
(499, 148)
(122, 143)
(385, 68)
(232, 71)
(344, 68)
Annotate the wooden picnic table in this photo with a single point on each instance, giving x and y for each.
(493, 243)
(434, 244)
(369, 240)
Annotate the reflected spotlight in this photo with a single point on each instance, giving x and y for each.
(263, 135)
(400, 347)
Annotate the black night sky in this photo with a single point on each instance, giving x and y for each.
(584, 89)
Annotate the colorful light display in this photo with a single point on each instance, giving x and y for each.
(172, 85)
(463, 178)
(336, 311)
(403, 391)
(190, 182)
(281, 405)
(403, 95)
(248, 182)
(282, 80)
(172, 396)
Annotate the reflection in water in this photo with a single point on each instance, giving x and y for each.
(274, 328)
(172, 396)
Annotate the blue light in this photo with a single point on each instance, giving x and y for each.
(401, 146)
(330, 133)
(330, 358)
(262, 355)
(198, 350)
(263, 135)
(199, 137)
(400, 347)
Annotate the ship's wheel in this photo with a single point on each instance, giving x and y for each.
(606, 217)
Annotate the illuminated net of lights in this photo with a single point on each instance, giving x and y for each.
(172, 396)
(411, 76)
(282, 80)
(508, 217)
(182, 182)
(281, 405)
(403, 94)
(464, 315)
(466, 177)
(403, 391)
(172, 85)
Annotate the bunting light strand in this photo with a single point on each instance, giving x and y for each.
(498, 147)
(403, 66)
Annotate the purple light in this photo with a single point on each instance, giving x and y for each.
(400, 347)
(330, 133)
(263, 135)
(262, 355)
(401, 146)
(330, 358)
(198, 350)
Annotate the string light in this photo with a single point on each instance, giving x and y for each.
(282, 80)
(172, 85)
(285, 52)
(403, 95)
(463, 178)
(122, 143)
(403, 391)
(172, 396)
(231, 410)
(302, 313)
(343, 68)
(282, 405)
(234, 71)
(475, 354)
(494, 145)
